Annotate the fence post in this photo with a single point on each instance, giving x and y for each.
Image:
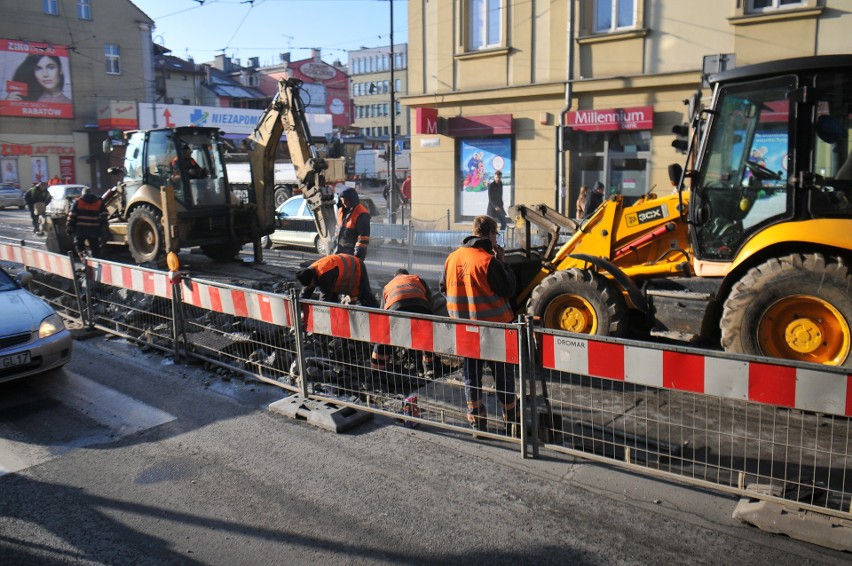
(300, 341)
(178, 327)
(410, 245)
(523, 369)
(530, 351)
(86, 318)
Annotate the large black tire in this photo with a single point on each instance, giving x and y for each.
(282, 193)
(221, 252)
(796, 307)
(145, 236)
(579, 300)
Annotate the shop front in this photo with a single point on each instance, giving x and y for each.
(612, 146)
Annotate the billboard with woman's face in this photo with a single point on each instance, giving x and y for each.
(35, 80)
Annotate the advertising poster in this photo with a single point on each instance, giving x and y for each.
(66, 169)
(35, 79)
(478, 160)
(9, 172)
(39, 169)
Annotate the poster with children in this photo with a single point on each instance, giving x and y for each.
(479, 159)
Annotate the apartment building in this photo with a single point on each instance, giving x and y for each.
(98, 61)
(490, 82)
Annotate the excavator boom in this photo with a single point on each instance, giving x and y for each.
(286, 116)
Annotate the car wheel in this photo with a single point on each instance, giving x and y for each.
(321, 246)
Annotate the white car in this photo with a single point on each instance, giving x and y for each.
(33, 338)
(294, 222)
(61, 197)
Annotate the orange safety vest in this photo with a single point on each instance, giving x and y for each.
(348, 273)
(347, 229)
(469, 294)
(86, 214)
(403, 288)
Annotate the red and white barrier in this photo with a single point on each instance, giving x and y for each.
(785, 386)
(48, 262)
(451, 338)
(11, 252)
(246, 303)
(129, 277)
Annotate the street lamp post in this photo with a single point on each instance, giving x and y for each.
(392, 148)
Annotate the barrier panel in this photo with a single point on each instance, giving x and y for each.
(767, 430)
(337, 362)
(248, 331)
(53, 279)
(132, 302)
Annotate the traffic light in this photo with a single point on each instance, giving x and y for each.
(681, 141)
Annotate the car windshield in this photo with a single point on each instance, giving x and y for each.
(6, 282)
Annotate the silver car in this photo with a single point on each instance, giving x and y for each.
(294, 222)
(61, 197)
(33, 338)
(11, 196)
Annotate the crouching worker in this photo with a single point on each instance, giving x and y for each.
(478, 285)
(404, 293)
(87, 220)
(337, 276)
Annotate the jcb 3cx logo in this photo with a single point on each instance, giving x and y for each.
(647, 215)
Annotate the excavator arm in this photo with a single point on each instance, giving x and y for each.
(286, 116)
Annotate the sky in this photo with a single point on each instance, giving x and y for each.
(266, 28)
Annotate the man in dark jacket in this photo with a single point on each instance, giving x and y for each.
(404, 293)
(336, 276)
(496, 209)
(353, 225)
(36, 198)
(594, 199)
(87, 220)
(478, 285)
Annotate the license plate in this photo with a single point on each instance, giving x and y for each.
(19, 359)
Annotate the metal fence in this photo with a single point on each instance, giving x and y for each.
(767, 430)
(763, 428)
(53, 277)
(337, 355)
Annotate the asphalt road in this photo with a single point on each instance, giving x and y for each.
(125, 458)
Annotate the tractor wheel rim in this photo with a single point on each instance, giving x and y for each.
(805, 328)
(571, 313)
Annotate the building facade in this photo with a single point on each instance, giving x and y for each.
(70, 73)
(490, 82)
(375, 95)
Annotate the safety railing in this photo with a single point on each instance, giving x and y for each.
(53, 277)
(132, 302)
(337, 360)
(247, 331)
(762, 428)
(767, 430)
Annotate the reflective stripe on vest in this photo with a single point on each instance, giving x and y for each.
(88, 213)
(348, 272)
(403, 288)
(469, 294)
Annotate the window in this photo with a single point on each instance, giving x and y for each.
(612, 15)
(768, 5)
(84, 9)
(51, 7)
(485, 23)
(112, 56)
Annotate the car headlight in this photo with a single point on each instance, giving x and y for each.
(50, 326)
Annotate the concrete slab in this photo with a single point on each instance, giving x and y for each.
(791, 520)
(321, 414)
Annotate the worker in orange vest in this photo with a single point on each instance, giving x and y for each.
(478, 284)
(353, 225)
(337, 276)
(404, 293)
